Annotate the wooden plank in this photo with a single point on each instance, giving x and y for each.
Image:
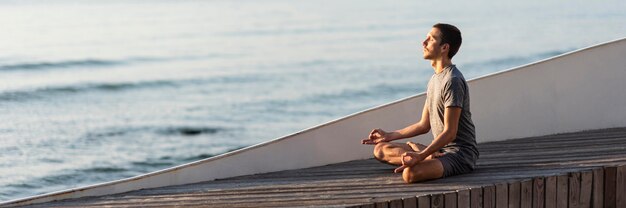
(532, 147)
(489, 196)
(562, 185)
(620, 186)
(538, 192)
(476, 197)
(409, 202)
(514, 194)
(598, 188)
(586, 178)
(382, 204)
(565, 138)
(204, 203)
(437, 201)
(526, 191)
(609, 187)
(372, 205)
(463, 200)
(550, 198)
(502, 195)
(396, 203)
(566, 160)
(557, 138)
(528, 147)
(423, 201)
(574, 190)
(450, 200)
(583, 161)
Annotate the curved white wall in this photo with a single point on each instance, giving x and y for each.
(572, 92)
(578, 91)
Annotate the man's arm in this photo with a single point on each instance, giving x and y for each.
(450, 127)
(451, 118)
(419, 128)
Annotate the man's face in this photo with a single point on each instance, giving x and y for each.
(432, 44)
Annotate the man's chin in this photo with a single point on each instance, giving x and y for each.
(426, 55)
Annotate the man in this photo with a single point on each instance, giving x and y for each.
(446, 112)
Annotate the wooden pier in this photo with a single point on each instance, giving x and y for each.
(581, 169)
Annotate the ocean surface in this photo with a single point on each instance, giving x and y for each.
(93, 91)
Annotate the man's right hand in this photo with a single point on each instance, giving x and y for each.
(377, 136)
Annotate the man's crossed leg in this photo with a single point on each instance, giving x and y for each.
(392, 153)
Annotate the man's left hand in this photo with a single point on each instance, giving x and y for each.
(409, 159)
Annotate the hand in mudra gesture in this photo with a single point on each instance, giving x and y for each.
(409, 159)
(377, 136)
(419, 147)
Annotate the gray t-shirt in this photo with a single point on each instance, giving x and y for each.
(449, 89)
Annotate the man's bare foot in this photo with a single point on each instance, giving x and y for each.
(419, 147)
(415, 147)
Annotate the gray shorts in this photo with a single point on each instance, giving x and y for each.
(457, 161)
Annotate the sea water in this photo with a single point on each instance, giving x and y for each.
(94, 91)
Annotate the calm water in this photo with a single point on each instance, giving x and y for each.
(93, 91)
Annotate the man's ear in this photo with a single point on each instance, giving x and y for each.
(445, 47)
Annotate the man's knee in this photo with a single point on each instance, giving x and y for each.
(379, 152)
(423, 171)
(412, 175)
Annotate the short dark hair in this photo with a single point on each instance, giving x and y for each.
(450, 35)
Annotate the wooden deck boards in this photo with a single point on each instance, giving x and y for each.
(534, 167)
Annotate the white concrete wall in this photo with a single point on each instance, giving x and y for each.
(578, 91)
(581, 90)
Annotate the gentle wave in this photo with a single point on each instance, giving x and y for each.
(154, 163)
(52, 91)
(162, 131)
(21, 95)
(105, 170)
(61, 64)
(87, 176)
(96, 62)
(189, 131)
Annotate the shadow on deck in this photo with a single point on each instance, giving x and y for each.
(582, 169)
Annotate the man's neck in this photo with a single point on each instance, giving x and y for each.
(440, 64)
